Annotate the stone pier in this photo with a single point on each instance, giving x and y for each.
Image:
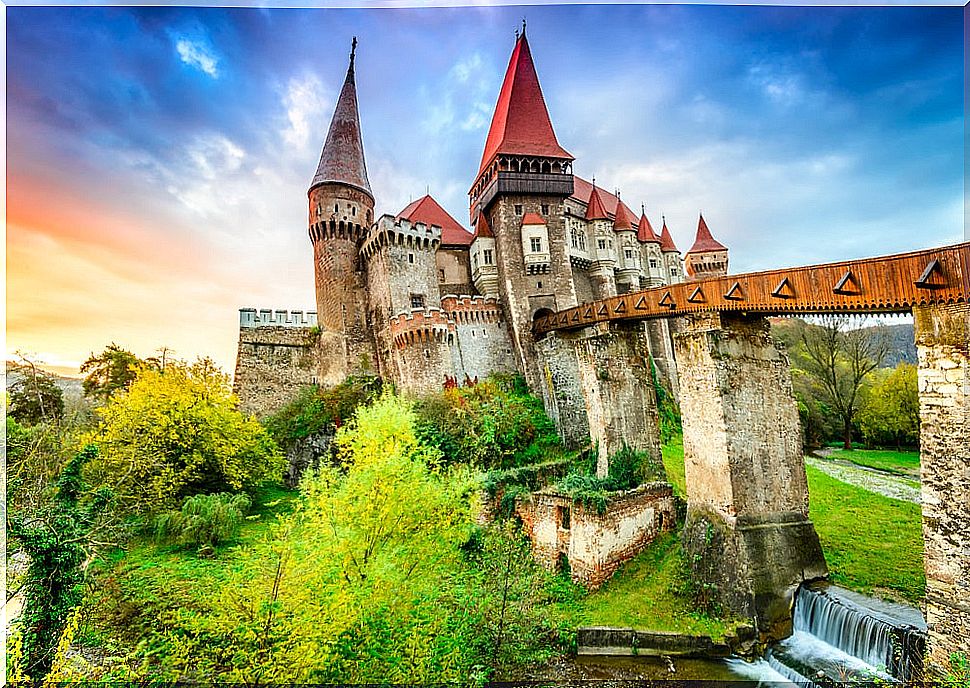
(599, 380)
(943, 342)
(748, 536)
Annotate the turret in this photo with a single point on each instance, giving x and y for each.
(651, 257)
(341, 209)
(707, 257)
(628, 250)
(601, 271)
(673, 265)
(484, 269)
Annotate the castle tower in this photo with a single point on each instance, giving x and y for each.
(484, 270)
(341, 211)
(525, 172)
(651, 256)
(673, 266)
(707, 257)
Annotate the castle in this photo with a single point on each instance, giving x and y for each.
(416, 298)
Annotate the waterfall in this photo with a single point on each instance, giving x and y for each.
(844, 635)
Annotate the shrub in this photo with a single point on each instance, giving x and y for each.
(176, 433)
(316, 409)
(204, 520)
(494, 424)
(628, 468)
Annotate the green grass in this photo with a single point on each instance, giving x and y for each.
(904, 463)
(872, 544)
(647, 593)
(673, 456)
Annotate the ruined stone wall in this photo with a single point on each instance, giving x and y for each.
(596, 545)
(272, 365)
(522, 292)
(943, 348)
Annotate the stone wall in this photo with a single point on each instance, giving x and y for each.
(943, 348)
(454, 271)
(272, 364)
(595, 545)
(562, 394)
(748, 535)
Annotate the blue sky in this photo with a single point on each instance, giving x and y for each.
(158, 158)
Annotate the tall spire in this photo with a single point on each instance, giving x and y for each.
(705, 241)
(595, 209)
(667, 241)
(342, 159)
(645, 229)
(624, 219)
(521, 124)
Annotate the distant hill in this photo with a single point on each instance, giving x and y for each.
(902, 347)
(71, 387)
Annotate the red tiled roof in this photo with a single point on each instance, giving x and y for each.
(582, 190)
(624, 219)
(342, 158)
(533, 219)
(595, 209)
(482, 229)
(667, 241)
(521, 124)
(427, 210)
(645, 230)
(704, 240)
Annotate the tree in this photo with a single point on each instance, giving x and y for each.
(839, 359)
(177, 433)
(890, 414)
(55, 538)
(35, 396)
(112, 370)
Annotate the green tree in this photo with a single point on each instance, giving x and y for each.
(55, 538)
(112, 370)
(890, 414)
(177, 433)
(34, 396)
(838, 358)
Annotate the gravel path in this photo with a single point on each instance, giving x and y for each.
(874, 481)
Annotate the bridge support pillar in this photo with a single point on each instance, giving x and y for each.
(748, 537)
(943, 343)
(599, 381)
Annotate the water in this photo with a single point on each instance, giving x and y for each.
(848, 636)
(732, 672)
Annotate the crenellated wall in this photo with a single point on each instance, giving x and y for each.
(943, 347)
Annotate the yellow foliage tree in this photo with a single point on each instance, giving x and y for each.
(177, 432)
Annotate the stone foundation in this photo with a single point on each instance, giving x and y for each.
(748, 536)
(943, 342)
(595, 545)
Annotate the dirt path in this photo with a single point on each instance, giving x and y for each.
(880, 482)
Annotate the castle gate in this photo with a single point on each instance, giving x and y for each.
(747, 532)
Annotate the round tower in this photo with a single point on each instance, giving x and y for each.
(341, 209)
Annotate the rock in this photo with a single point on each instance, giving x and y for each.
(306, 453)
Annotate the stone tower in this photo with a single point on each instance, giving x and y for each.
(524, 178)
(341, 211)
(707, 257)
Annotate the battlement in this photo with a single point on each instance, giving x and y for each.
(266, 317)
(466, 309)
(391, 230)
(420, 326)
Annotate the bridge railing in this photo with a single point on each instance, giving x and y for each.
(885, 284)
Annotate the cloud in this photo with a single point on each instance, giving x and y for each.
(196, 54)
(307, 104)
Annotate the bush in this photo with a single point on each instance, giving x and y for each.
(628, 468)
(34, 396)
(177, 433)
(316, 409)
(204, 520)
(494, 424)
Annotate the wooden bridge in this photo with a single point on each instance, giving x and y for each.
(887, 284)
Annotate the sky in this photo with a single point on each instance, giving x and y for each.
(158, 158)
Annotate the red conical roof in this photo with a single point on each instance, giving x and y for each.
(645, 231)
(667, 241)
(624, 218)
(595, 209)
(521, 124)
(704, 240)
(482, 229)
(342, 159)
(428, 211)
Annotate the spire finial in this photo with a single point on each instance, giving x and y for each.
(523, 26)
(353, 51)
(643, 209)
